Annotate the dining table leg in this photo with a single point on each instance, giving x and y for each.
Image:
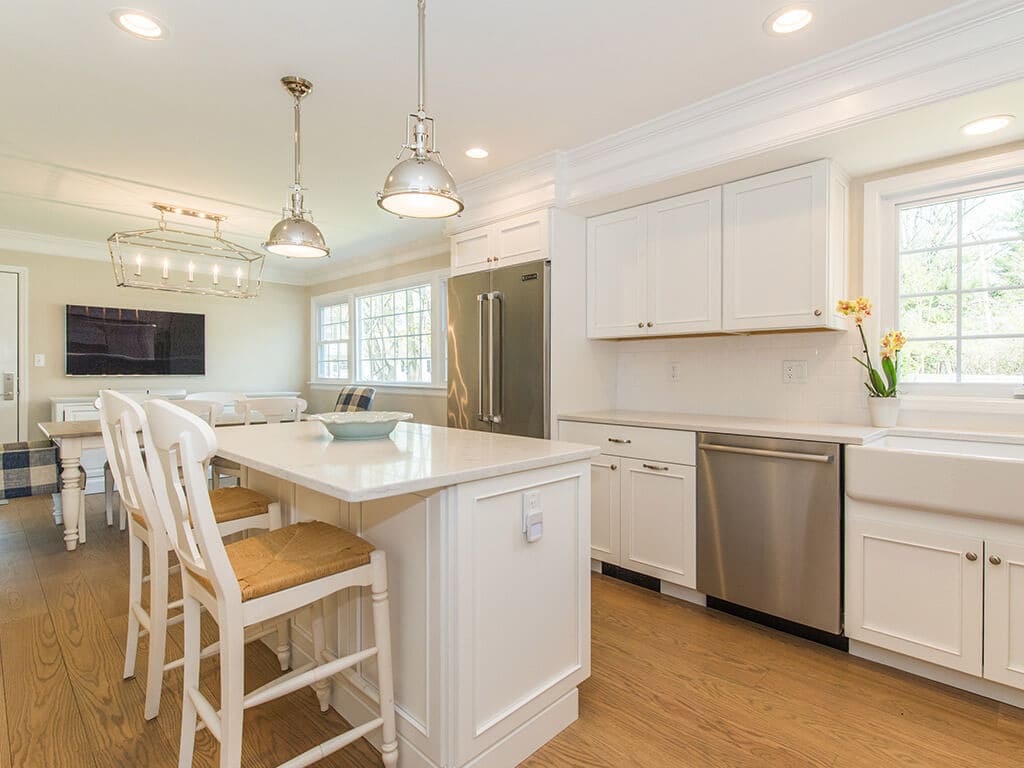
(70, 490)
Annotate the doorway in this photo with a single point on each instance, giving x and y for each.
(13, 351)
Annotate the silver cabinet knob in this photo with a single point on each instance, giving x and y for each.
(650, 324)
(995, 559)
(614, 467)
(640, 324)
(971, 556)
(817, 313)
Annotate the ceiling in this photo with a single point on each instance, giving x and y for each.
(99, 124)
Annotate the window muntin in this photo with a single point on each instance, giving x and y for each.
(961, 288)
(395, 336)
(332, 343)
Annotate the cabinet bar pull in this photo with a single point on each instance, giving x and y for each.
(619, 440)
(821, 458)
(655, 467)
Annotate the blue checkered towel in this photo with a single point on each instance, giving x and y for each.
(355, 399)
(28, 469)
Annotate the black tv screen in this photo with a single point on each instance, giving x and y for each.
(106, 341)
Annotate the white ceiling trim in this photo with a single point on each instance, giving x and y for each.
(68, 247)
(380, 260)
(969, 47)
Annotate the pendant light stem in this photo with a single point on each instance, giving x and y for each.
(298, 143)
(421, 5)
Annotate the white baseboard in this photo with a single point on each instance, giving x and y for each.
(595, 565)
(930, 671)
(684, 593)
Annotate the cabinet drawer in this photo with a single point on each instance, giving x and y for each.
(667, 445)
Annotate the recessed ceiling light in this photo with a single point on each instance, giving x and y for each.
(138, 23)
(477, 153)
(789, 19)
(984, 125)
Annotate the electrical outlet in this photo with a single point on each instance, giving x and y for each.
(794, 371)
(39, 361)
(674, 370)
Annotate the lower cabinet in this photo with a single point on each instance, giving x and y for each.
(659, 525)
(643, 509)
(949, 598)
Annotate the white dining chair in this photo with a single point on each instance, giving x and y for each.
(272, 410)
(208, 410)
(122, 420)
(265, 577)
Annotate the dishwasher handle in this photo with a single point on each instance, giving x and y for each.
(820, 458)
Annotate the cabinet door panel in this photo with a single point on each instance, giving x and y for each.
(684, 263)
(659, 524)
(604, 509)
(522, 239)
(1004, 613)
(471, 250)
(616, 252)
(775, 250)
(915, 591)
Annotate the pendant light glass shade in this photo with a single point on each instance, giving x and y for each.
(420, 187)
(295, 236)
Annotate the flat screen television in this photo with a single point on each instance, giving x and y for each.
(108, 341)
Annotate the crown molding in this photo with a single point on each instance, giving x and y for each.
(380, 260)
(969, 47)
(68, 247)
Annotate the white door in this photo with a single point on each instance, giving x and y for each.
(9, 355)
(659, 523)
(616, 274)
(684, 263)
(775, 250)
(916, 591)
(604, 509)
(472, 250)
(1004, 613)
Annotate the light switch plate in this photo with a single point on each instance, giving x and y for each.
(39, 361)
(674, 370)
(794, 371)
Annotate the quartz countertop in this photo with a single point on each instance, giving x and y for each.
(850, 434)
(417, 457)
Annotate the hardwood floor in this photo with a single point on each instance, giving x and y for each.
(673, 685)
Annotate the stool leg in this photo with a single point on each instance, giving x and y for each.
(232, 691)
(131, 646)
(157, 630)
(108, 493)
(322, 687)
(385, 676)
(284, 645)
(193, 648)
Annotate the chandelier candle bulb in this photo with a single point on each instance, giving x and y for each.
(216, 274)
(238, 277)
(191, 272)
(167, 269)
(138, 264)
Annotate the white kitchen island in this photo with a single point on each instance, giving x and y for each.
(491, 632)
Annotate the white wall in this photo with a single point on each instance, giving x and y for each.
(742, 375)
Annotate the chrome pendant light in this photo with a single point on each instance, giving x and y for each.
(420, 187)
(295, 236)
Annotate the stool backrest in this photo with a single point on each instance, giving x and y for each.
(273, 409)
(208, 410)
(122, 421)
(179, 444)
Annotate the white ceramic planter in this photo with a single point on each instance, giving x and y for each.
(885, 411)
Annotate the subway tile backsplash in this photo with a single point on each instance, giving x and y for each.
(743, 376)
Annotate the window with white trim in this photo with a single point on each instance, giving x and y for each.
(961, 287)
(390, 334)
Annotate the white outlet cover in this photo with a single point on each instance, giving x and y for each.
(39, 361)
(794, 371)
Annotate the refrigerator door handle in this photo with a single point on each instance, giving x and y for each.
(480, 299)
(496, 297)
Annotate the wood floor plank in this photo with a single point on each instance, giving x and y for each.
(44, 722)
(5, 741)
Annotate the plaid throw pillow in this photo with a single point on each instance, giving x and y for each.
(28, 469)
(355, 399)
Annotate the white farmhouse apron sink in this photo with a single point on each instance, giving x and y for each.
(976, 478)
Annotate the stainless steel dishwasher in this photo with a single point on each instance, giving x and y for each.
(769, 527)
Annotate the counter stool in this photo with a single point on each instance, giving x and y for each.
(235, 510)
(243, 584)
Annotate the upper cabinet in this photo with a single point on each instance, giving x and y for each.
(510, 241)
(655, 270)
(762, 254)
(784, 249)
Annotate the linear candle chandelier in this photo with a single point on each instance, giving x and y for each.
(171, 258)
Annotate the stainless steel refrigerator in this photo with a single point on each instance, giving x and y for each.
(498, 350)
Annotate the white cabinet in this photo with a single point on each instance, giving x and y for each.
(784, 249)
(605, 520)
(916, 591)
(656, 269)
(643, 498)
(511, 241)
(659, 528)
(1004, 613)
